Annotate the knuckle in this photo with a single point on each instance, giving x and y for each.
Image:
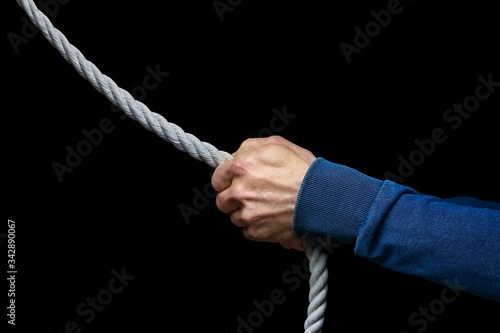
(277, 139)
(239, 166)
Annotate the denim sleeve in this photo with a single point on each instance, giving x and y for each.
(452, 241)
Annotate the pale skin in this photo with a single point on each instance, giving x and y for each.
(258, 188)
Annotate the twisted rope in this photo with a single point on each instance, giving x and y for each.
(318, 286)
(136, 110)
(172, 133)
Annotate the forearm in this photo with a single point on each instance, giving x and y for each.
(428, 237)
(401, 229)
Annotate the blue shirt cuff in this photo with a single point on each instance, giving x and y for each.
(333, 200)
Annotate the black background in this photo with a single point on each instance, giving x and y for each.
(119, 207)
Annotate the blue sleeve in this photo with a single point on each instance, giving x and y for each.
(455, 242)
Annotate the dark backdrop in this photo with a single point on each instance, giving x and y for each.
(117, 212)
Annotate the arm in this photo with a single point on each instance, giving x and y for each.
(396, 227)
(279, 192)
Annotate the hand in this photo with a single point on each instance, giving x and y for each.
(258, 188)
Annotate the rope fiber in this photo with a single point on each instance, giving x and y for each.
(181, 140)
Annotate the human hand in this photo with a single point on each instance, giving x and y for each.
(258, 188)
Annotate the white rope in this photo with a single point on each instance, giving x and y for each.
(134, 109)
(181, 140)
(318, 285)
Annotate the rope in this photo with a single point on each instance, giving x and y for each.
(183, 141)
(136, 110)
(318, 286)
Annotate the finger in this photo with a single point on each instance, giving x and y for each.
(235, 217)
(223, 176)
(226, 202)
(251, 233)
(271, 231)
(288, 242)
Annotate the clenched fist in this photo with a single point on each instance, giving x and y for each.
(258, 188)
